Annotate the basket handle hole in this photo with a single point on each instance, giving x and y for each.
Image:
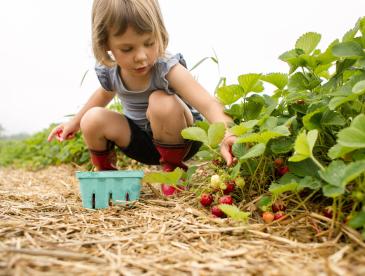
(93, 201)
(110, 199)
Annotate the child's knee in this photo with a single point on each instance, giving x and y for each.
(91, 119)
(161, 104)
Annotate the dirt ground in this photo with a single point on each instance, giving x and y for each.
(45, 231)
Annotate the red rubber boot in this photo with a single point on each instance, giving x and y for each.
(105, 160)
(171, 158)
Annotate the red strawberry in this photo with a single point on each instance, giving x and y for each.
(206, 199)
(59, 132)
(230, 185)
(283, 170)
(268, 217)
(217, 212)
(167, 190)
(278, 215)
(227, 199)
(278, 205)
(278, 162)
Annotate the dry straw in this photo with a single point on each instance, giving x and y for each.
(45, 231)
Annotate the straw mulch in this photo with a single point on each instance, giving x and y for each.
(45, 231)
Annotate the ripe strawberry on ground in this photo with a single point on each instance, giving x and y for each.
(268, 217)
(227, 199)
(230, 185)
(278, 215)
(278, 205)
(206, 199)
(168, 190)
(217, 212)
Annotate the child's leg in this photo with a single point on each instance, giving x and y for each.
(168, 116)
(101, 129)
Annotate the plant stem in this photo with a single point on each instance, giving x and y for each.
(317, 163)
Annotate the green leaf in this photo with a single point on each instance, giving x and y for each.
(281, 145)
(349, 49)
(338, 175)
(196, 134)
(359, 88)
(303, 81)
(280, 80)
(332, 191)
(310, 182)
(235, 111)
(269, 123)
(288, 183)
(292, 58)
(308, 42)
(215, 134)
(264, 204)
(164, 177)
(202, 124)
(255, 151)
(354, 135)
(249, 82)
(234, 213)
(337, 101)
(358, 220)
(349, 35)
(243, 127)
(312, 120)
(304, 144)
(338, 151)
(304, 168)
(229, 94)
(332, 118)
(326, 58)
(236, 171)
(239, 150)
(261, 137)
(252, 110)
(297, 82)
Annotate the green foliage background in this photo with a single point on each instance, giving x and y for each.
(35, 152)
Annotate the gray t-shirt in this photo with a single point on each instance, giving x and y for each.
(135, 103)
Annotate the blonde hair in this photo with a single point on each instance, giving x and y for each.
(144, 16)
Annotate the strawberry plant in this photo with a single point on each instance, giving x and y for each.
(301, 130)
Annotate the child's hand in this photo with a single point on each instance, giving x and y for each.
(226, 149)
(62, 132)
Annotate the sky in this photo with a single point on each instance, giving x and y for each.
(45, 47)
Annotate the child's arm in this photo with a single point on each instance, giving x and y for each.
(192, 92)
(67, 130)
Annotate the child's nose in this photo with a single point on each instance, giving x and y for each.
(140, 56)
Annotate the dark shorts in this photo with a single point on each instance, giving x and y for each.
(142, 149)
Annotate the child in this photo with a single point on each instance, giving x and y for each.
(159, 96)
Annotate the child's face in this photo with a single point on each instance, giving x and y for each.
(134, 53)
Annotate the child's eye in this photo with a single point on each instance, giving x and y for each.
(126, 50)
(150, 44)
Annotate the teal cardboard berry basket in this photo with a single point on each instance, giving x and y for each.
(104, 188)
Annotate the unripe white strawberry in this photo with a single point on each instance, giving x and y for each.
(215, 181)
